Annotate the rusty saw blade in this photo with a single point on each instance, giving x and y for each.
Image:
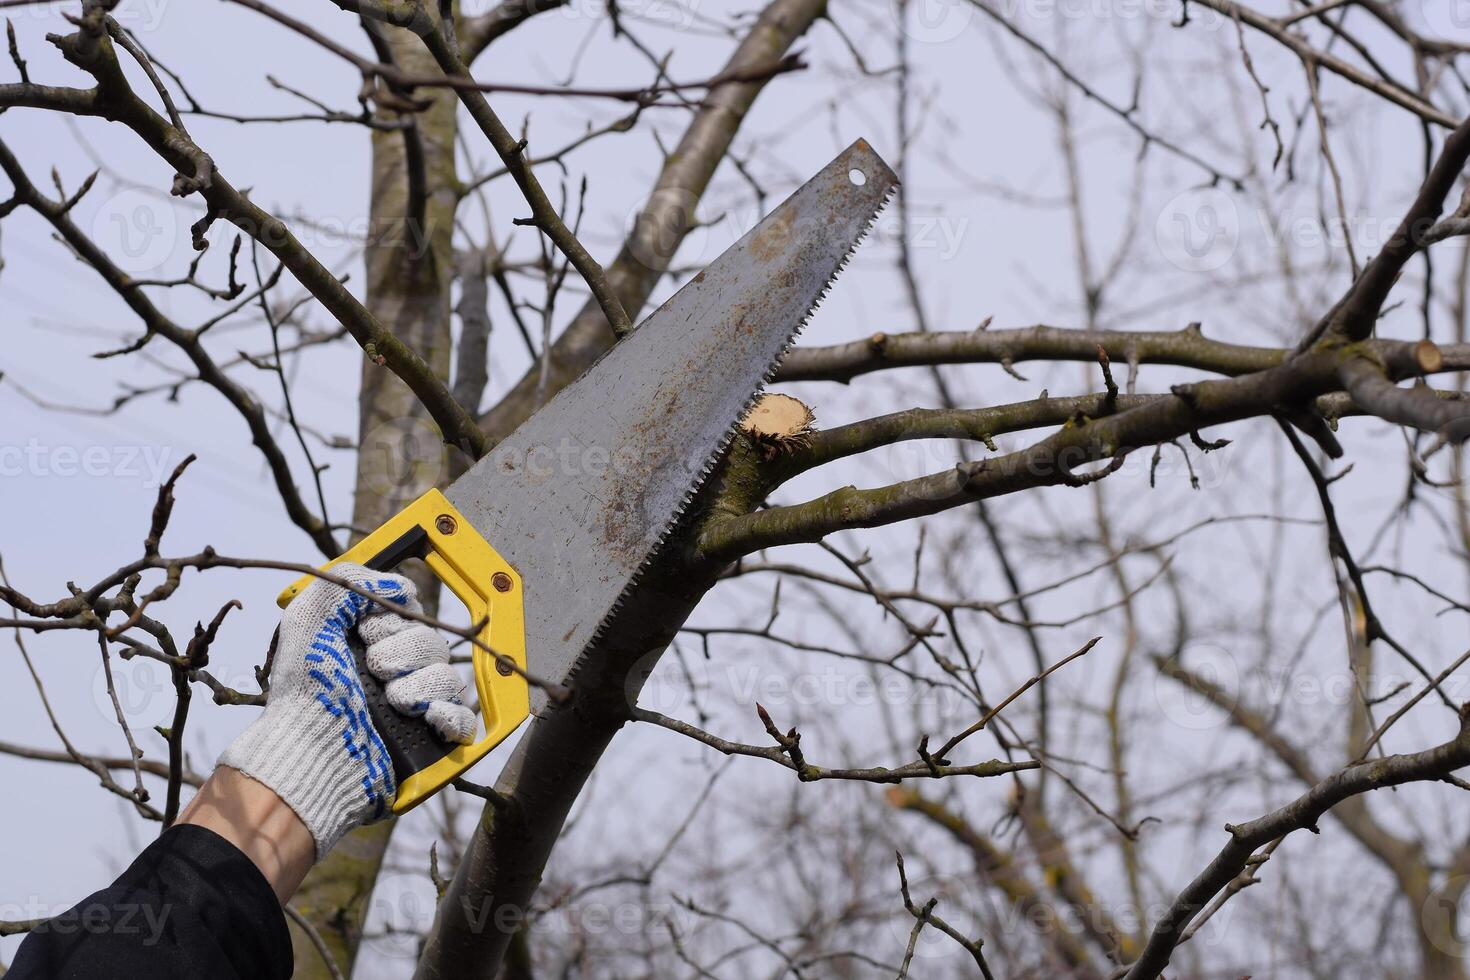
(580, 497)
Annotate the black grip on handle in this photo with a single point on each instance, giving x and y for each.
(412, 745)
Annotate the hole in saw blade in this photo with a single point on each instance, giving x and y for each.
(857, 177)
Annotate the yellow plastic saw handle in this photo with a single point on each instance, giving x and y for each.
(430, 528)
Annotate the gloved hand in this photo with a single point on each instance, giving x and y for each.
(314, 744)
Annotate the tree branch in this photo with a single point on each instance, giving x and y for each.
(1302, 813)
(1051, 461)
(90, 49)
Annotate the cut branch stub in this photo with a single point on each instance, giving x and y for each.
(778, 423)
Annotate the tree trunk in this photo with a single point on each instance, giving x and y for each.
(485, 905)
(400, 452)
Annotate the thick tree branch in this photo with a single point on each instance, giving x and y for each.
(1183, 348)
(973, 424)
(1357, 314)
(1416, 407)
(1187, 347)
(1050, 462)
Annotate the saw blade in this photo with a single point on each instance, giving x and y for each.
(582, 495)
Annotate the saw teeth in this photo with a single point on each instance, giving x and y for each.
(663, 535)
(723, 444)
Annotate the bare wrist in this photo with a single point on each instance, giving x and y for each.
(253, 818)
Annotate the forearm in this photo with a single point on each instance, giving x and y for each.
(253, 818)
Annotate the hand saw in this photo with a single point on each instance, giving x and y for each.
(546, 535)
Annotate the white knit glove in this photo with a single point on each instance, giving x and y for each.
(314, 744)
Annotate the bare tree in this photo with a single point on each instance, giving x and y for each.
(1088, 679)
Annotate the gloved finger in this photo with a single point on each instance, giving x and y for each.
(413, 693)
(453, 722)
(410, 649)
(382, 621)
(341, 608)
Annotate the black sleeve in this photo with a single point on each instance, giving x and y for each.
(192, 905)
